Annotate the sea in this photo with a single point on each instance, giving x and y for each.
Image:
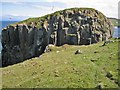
(4, 24)
(116, 32)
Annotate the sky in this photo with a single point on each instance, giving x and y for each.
(37, 8)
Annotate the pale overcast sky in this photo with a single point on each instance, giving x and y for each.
(38, 8)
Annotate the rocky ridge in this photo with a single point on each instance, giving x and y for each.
(76, 26)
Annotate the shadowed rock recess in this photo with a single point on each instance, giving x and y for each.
(75, 26)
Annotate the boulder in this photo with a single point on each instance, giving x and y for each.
(78, 52)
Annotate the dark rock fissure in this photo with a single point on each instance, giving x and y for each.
(83, 27)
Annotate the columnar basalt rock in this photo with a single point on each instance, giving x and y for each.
(76, 26)
(22, 42)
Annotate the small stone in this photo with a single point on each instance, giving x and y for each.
(74, 68)
(56, 75)
(93, 60)
(78, 52)
(109, 75)
(99, 86)
(56, 71)
(42, 72)
(96, 52)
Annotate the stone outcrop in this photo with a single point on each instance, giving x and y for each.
(72, 26)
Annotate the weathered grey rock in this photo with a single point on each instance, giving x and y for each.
(21, 43)
(74, 27)
(78, 52)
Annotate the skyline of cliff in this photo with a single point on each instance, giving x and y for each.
(26, 9)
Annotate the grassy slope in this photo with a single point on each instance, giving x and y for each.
(65, 69)
(116, 22)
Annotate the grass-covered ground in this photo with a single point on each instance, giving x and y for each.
(115, 22)
(61, 68)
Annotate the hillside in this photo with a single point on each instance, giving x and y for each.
(61, 68)
(115, 22)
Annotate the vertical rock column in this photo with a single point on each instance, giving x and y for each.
(22, 42)
(60, 32)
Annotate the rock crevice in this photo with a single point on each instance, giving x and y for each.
(75, 27)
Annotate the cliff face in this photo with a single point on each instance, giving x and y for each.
(29, 38)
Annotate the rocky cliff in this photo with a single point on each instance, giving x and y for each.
(75, 26)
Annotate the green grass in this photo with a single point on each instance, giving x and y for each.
(61, 68)
(115, 22)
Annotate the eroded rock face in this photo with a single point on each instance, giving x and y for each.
(22, 42)
(83, 27)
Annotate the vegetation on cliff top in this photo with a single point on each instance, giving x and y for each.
(37, 20)
(61, 68)
(115, 22)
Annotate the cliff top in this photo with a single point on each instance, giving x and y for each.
(37, 20)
